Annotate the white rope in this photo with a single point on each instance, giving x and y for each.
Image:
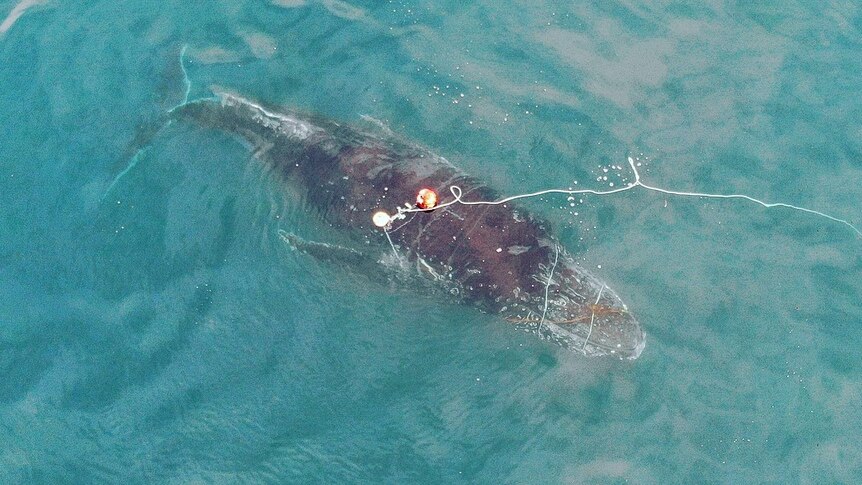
(593, 318)
(548, 285)
(457, 194)
(397, 256)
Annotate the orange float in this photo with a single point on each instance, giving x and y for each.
(426, 199)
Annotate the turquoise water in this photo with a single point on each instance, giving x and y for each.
(154, 328)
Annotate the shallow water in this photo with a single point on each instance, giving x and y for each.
(154, 327)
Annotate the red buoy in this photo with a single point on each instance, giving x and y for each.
(426, 199)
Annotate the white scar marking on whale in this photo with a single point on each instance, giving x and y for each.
(285, 124)
(17, 12)
(516, 250)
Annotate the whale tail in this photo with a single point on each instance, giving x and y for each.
(149, 130)
(137, 149)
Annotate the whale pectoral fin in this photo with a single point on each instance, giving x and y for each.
(324, 251)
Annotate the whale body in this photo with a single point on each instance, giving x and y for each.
(499, 258)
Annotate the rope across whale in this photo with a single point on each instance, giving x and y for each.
(457, 195)
(427, 200)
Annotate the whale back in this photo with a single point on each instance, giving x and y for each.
(497, 256)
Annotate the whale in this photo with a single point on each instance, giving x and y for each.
(500, 258)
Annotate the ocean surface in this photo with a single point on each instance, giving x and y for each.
(154, 328)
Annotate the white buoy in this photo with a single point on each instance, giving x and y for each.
(381, 219)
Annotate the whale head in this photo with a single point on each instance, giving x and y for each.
(580, 312)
